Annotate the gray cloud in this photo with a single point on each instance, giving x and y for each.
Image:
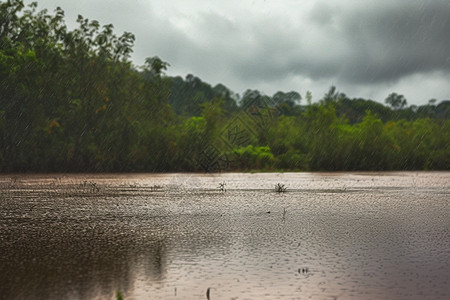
(369, 48)
(399, 40)
(364, 45)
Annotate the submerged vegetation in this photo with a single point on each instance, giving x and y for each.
(71, 100)
(280, 188)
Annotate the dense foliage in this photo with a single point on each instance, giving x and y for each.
(71, 100)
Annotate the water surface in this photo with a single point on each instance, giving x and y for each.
(173, 236)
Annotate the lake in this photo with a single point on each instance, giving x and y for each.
(174, 236)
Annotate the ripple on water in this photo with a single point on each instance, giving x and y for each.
(173, 236)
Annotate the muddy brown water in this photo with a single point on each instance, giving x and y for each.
(173, 236)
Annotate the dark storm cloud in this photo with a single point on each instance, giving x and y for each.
(367, 44)
(398, 39)
(368, 47)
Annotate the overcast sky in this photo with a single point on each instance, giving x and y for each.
(366, 49)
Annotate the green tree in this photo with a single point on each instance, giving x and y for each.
(396, 101)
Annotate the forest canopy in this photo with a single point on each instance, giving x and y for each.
(72, 101)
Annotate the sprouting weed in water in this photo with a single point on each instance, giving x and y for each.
(280, 188)
(90, 186)
(156, 187)
(119, 295)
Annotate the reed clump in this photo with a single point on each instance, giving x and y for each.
(280, 188)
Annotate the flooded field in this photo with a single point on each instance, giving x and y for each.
(174, 236)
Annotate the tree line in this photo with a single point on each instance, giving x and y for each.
(72, 101)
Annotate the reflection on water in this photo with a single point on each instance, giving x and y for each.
(173, 236)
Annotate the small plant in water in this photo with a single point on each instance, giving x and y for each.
(90, 186)
(95, 188)
(303, 270)
(222, 186)
(280, 188)
(119, 295)
(155, 187)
